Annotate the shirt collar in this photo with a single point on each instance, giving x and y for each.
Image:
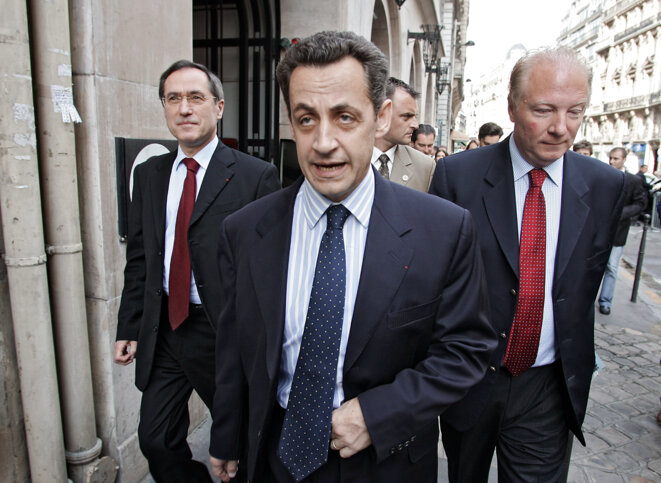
(376, 152)
(359, 202)
(203, 157)
(521, 167)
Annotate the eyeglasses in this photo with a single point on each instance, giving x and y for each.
(193, 99)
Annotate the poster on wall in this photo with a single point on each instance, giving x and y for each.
(129, 153)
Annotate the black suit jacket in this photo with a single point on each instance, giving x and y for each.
(482, 181)
(232, 180)
(635, 201)
(419, 336)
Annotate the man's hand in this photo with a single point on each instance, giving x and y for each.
(349, 433)
(224, 469)
(125, 351)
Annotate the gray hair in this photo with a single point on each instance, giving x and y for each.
(553, 55)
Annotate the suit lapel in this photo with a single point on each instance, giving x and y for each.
(385, 262)
(218, 174)
(159, 184)
(573, 214)
(401, 166)
(500, 206)
(268, 268)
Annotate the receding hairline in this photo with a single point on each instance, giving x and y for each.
(556, 57)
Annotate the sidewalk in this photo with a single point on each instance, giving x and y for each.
(623, 438)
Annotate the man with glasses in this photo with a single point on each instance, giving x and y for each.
(172, 294)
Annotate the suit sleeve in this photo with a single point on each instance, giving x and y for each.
(457, 357)
(637, 201)
(268, 181)
(438, 186)
(131, 305)
(230, 397)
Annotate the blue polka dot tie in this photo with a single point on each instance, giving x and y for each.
(527, 326)
(305, 436)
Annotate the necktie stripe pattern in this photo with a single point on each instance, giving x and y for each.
(383, 167)
(303, 445)
(180, 266)
(527, 326)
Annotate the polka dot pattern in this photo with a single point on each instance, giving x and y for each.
(305, 436)
(524, 338)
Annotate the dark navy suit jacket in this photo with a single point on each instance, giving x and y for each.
(419, 335)
(482, 181)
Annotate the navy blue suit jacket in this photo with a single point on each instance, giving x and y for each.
(419, 335)
(482, 181)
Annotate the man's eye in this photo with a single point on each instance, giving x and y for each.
(305, 120)
(345, 118)
(173, 98)
(197, 98)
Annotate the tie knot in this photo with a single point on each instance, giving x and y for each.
(191, 165)
(336, 216)
(383, 159)
(537, 177)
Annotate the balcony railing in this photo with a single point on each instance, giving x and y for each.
(636, 29)
(633, 102)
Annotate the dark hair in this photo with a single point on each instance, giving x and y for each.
(489, 129)
(556, 56)
(472, 141)
(620, 149)
(392, 84)
(422, 129)
(584, 144)
(215, 86)
(328, 47)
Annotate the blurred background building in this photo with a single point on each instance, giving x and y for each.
(79, 106)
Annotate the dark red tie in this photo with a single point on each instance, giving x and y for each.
(180, 269)
(527, 326)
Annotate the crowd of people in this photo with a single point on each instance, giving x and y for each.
(329, 325)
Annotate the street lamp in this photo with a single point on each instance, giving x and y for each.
(431, 37)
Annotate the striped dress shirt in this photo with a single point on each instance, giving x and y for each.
(308, 227)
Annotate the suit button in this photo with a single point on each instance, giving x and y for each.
(406, 444)
(503, 335)
(155, 328)
(160, 254)
(412, 438)
(513, 292)
(259, 434)
(200, 285)
(392, 450)
(159, 292)
(400, 446)
(492, 368)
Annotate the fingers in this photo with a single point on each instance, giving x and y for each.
(224, 469)
(125, 351)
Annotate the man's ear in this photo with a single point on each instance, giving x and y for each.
(383, 118)
(221, 107)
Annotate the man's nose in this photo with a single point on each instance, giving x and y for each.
(559, 124)
(325, 140)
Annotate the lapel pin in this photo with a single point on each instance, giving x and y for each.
(405, 177)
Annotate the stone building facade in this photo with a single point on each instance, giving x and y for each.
(66, 411)
(621, 41)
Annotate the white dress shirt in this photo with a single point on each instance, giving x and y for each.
(308, 227)
(175, 188)
(391, 157)
(552, 190)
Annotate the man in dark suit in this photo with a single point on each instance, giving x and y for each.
(392, 155)
(343, 380)
(635, 201)
(545, 218)
(171, 298)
